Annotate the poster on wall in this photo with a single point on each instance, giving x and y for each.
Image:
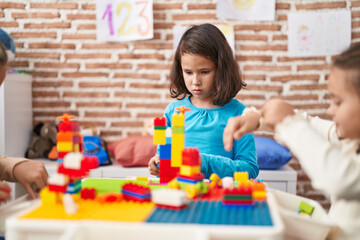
(319, 33)
(246, 10)
(124, 20)
(227, 30)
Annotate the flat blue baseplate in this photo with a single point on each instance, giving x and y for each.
(213, 212)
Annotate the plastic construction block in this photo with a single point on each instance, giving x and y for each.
(178, 130)
(74, 126)
(241, 177)
(74, 187)
(182, 109)
(306, 208)
(159, 137)
(64, 146)
(178, 120)
(109, 198)
(172, 198)
(88, 193)
(160, 121)
(64, 127)
(239, 191)
(197, 177)
(165, 151)
(259, 195)
(190, 157)
(64, 137)
(136, 188)
(185, 180)
(189, 170)
(213, 212)
(258, 186)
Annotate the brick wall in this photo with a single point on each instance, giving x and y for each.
(116, 86)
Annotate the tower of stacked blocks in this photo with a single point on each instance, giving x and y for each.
(72, 164)
(68, 137)
(170, 147)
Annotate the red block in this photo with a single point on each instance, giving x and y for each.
(88, 193)
(57, 188)
(160, 121)
(190, 157)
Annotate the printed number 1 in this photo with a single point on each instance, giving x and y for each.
(110, 23)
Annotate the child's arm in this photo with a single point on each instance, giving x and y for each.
(244, 159)
(331, 170)
(4, 192)
(273, 112)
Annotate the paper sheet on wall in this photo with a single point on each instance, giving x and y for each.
(124, 20)
(227, 30)
(246, 10)
(319, 33)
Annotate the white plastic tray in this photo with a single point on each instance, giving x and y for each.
(316, 227)
(25, 229)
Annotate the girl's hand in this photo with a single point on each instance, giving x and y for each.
(31, 172)
(274, 112)
(237, 127)
(153, 169)
(4, 192)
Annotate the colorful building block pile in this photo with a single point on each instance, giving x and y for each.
(246, 192)
(72, 164)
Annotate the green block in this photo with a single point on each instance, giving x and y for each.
(160, 127)
(306, 208)
(238, 197)
(178, 130)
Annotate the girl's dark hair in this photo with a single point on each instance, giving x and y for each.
(3, 55)
(208, 41)
(349, 61)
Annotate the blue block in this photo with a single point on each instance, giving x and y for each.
(136, 194)
(165, 151)
(185, 180)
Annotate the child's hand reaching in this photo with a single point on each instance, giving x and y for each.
(153, 169)
(30, 172)
(273, 112)
(4, 192)
(238, 126)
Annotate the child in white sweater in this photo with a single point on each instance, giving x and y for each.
(327, 150)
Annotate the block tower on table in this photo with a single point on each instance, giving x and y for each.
(171, 147)
(72, 164)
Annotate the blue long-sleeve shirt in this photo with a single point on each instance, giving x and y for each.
(204, 129)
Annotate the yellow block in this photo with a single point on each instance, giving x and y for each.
(259, 195)
(159, 137)
(178, 120)
(178, 140)
(241, 177)
(76, 148)
(140, 178)
(64, 146)
(189, 170)
(50, 198)
(177, 146)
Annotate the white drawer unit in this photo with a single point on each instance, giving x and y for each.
(15, 114)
